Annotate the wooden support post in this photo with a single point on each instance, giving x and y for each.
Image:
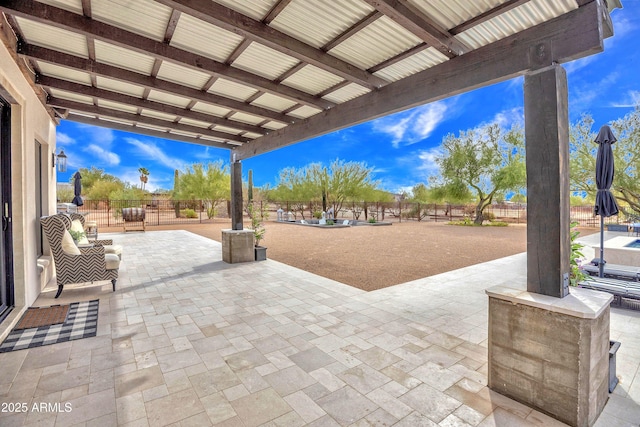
(547, 145)
(236, 195)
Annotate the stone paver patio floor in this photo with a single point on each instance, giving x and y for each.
(188, 340)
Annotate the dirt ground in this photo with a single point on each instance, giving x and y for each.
(374, 257)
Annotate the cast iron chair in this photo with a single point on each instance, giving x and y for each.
(73, 264)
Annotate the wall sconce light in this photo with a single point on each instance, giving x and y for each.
(60, 160)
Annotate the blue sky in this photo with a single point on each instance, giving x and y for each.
(400, 147)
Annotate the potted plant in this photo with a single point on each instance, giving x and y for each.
(257, 214)
(77, 236)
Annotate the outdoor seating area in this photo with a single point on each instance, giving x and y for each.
(189, 339)
(75, 262)
(618, 288)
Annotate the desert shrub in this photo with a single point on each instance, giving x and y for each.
(489, 216)
(189, 213)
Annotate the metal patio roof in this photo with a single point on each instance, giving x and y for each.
(255, 75)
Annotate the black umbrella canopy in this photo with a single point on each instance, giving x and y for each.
(77, 189)
(606, 205)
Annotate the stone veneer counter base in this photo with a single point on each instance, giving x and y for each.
(551, 353)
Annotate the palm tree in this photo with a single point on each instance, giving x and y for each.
(144, 176)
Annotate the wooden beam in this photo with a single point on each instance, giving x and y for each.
(70, 21)
(364, 22)
(10, 36)
(423, 27)
(546, 115)
(144, 131)
(238, 51)
(120, 74)
(240, 24)
(86, 8)
(571, 36)
(275, 11)
(489, 14)
(334, 88)
(171, 26)
(395, 59)
(135, 118)
(52, 82)
(291, 71)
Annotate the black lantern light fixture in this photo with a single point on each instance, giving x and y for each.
(59, 159)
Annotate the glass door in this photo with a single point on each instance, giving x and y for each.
(6, 246)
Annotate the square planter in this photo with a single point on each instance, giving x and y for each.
(613, 378)
(261, 253)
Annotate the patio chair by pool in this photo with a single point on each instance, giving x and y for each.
(74, 264)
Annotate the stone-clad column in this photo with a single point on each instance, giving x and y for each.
(547, 145)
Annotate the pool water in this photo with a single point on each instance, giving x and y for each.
(635, 244)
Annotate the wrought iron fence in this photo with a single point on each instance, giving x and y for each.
(108, 213)
(408, 211)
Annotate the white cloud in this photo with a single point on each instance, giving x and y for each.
(98, 135)
(152, 151)
(585, 97)
(630, 100)
(413, 126)
(507, 118)
(573, 66)
(621, 27)
(103, 156)
(64, 139)
(427, 160)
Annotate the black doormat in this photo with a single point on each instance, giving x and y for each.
(81, 322)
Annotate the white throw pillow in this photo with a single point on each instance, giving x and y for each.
(68, 246)
(76, 225)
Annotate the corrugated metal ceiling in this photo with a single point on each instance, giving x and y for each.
(279, 62)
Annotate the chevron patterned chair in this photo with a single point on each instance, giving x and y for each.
(109, 247)
(73, 264)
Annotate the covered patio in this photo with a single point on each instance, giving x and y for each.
(221, 340)
(191, 340)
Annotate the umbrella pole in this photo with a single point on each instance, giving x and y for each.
(601, 263)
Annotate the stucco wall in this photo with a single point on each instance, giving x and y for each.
(30, 122)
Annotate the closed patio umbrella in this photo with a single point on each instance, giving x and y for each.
(77, 189)
(606, 205)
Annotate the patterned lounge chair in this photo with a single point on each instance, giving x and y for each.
(109, 247)
(73, 264)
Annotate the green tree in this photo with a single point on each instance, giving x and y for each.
(483, 162)
(210, 183)
(102, 190)
(93, 175)
(176, 185)
(296, 187)
(334, 185)
(250, 187)
(626, 153)
(518, 198)
(144, 177)
(421, 194)
(347, 181)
